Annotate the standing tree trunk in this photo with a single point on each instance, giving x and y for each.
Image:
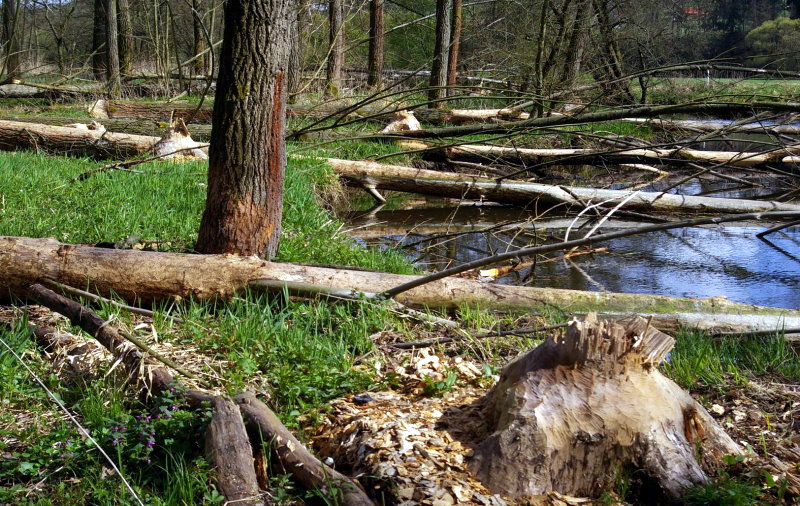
(200, 64)
(336, 55)
(455, 44)
(10, 39)
(295, 72)
(376, 43)
(440, 51)
(126, 42)
(247, 152)
(99, 40)
(112, 50)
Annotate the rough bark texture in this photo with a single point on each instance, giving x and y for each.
(126, 41)
(440, 51)
(376, 43)
(336, 44)
(114, 81)
(248, 158)
(297, 51)
(567, 414)
(146, 277)
(295, 458)
(164, 111)
(200, 132)
(455, 43)
(10, 40)
(229, 452)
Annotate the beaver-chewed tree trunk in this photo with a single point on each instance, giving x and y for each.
(567, 414)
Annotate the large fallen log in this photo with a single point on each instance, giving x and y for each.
(570, 413)
(789, 155)
(699, 125)
(140, 276)
(200, 131)
(394, 177)
(98, 144)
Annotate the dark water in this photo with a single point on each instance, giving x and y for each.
(698, 262)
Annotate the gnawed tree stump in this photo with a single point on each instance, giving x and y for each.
(568, 413)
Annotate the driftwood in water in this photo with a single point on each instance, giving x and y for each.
(394, 177)
(227, 445)
(148, 276)
(200, 132)
(569, 413)
(99, 144)
(579, 156)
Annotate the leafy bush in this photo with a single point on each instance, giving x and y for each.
(772, 44)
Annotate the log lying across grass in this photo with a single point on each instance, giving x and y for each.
(789, 155)
(140, 276)
(446, 184)
(200, 131)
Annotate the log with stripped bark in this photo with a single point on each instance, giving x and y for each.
(376, 176)
(147, 277)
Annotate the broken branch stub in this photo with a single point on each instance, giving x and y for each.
(567, 414)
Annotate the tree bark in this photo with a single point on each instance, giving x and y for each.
(568, 413)
(248, 158)
(10, 40)
(199, 38)
(376, 43)
(441, 52)
(336, 44)
(126, 41)
(230, 455)
(200, 132)
(455, 43)
(297, 51)
(445, 184)
(16, 135)
(112, 50)
(306, 468)
(140, 276)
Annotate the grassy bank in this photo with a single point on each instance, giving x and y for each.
(297, 354)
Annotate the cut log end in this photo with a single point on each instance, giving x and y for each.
(591, 401)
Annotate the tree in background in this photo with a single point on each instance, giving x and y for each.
(336, 50)
(441, 52)
(774, 44)
(10, 39)
(126, 42)
(99, 23)
(112, 50)
(376, 43)
(247, 156)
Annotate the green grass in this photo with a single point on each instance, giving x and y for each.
(699, 360)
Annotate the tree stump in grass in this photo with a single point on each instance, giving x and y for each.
(568, 414)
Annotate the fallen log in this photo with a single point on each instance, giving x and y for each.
(699, 125)
(200, 132)
(398, 178)
(226, 439)
(15, 135)
(789, 155)
(27, 90)
(140, 276)
(567, 414)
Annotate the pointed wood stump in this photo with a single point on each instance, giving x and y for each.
(567, 414)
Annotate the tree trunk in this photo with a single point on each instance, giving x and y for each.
(10, 40)
(112, 50)
(297, 52)
(336, 44)
(569, 413)
(126, 42)
(199, 38)
(445, 184)
(441, 52)
(246, 166)
(455, 43)
(376, 43)
(140, 276)
(99, 47)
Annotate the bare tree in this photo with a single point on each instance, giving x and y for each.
(441, 51)
(336, 54)
(455, 43)
(10, 40)
(126, 41)
(376, 43)
(99, 40)
(247, 152)
(112, 50)
(298, 46)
